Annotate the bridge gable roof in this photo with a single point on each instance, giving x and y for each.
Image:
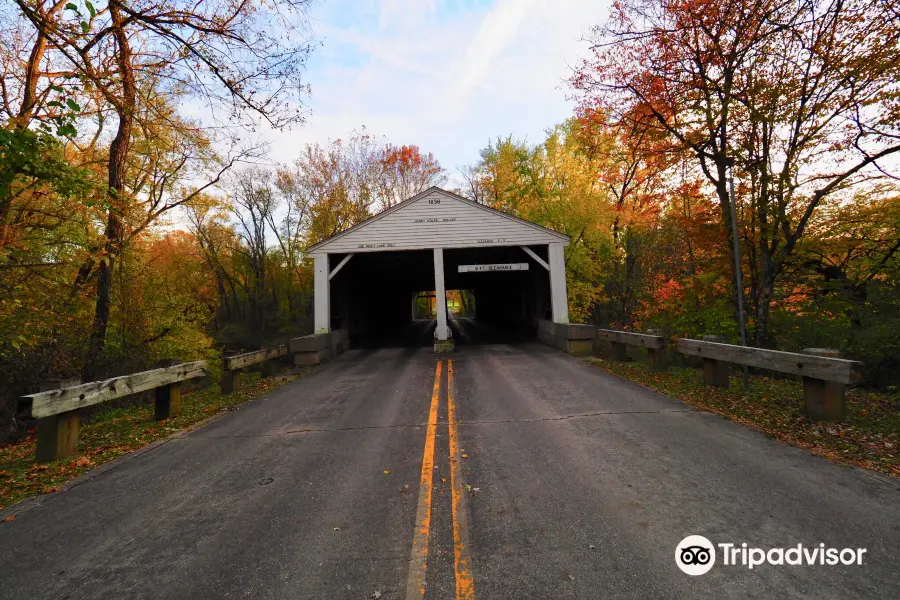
(437, 218)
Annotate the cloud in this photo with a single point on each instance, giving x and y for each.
(498, 30)
(446, 75)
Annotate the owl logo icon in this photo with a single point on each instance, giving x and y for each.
(695, 555)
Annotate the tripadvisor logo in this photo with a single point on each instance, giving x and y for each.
(696, 555)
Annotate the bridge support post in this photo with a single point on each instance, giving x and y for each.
(559, 303)
(442, 341)
(322, 294)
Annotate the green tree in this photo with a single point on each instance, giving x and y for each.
(555, 184)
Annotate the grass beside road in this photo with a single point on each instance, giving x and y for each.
(115, 432)
(869, 437)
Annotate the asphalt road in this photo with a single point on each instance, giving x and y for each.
(575, 484)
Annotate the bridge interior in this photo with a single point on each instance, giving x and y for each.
(373, 295)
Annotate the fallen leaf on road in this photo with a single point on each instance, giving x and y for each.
(387, 472)
(50, 489)
(9, 518)
(465, 456)
(337, 528)
(376, 594)
(443, 480)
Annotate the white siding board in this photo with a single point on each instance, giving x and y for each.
(438, 220)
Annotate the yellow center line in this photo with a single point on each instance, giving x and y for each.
(418, 562)
(465, 583)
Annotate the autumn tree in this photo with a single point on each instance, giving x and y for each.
(254, 234)
(151, 325)
(253, 204)
(632, 165)
(797, 97)
(347, 180)
(290, 231)
(210, 223)
(339, 183)
(476, 184)
(404, 172)
(244, 58)
(555, 184)
(36, 116)
(845, 282)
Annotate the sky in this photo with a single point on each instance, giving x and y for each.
(446, 75)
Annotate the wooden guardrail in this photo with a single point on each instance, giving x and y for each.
(652, 341)
(56, 411)
(810, 365)
(234, 365)
(825, 375)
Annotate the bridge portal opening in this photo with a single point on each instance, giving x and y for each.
(389, 298)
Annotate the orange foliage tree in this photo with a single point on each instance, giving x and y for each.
(799, 98)
(406, 171)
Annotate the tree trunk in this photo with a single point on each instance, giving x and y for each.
(724, 195)
(21, 121)
(29, 87)
(118, 155)
(763, 309)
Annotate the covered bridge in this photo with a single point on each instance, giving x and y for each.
(368, 277)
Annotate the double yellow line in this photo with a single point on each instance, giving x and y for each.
(465, 583)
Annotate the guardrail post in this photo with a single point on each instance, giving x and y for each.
(231, 381)
(619, 350)
(658, 359)
(57, 435)
(167, 403)
(824, 400)
(271, 367)
(715, 372)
